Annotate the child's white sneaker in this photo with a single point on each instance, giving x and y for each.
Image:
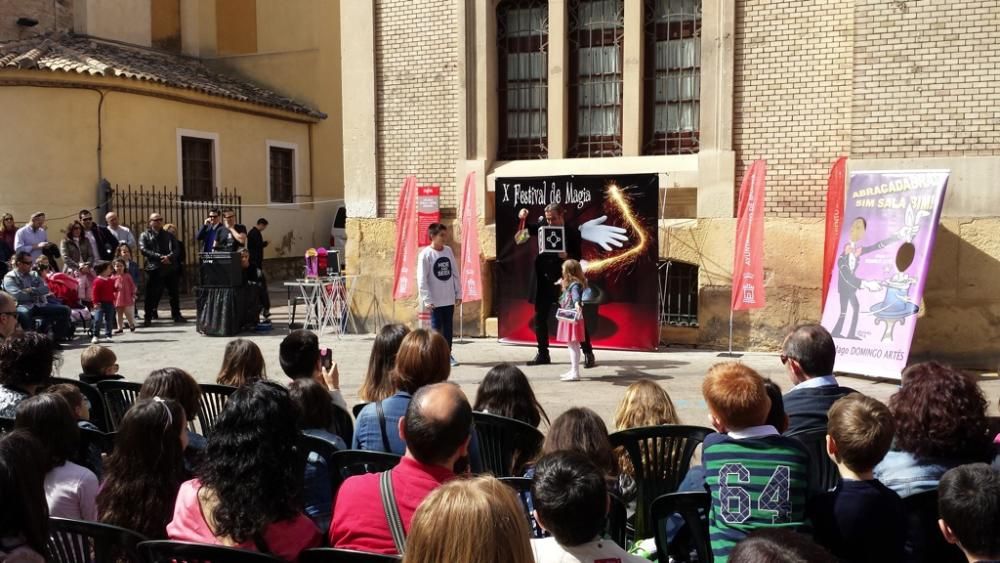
(569, 376)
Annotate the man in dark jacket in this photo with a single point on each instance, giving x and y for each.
(103, 242)
(255, 246)
(161, 251)
(808, 355)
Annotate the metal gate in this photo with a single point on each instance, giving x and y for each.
(134, 205)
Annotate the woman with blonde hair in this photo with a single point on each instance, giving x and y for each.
(477, 520)
(645, 404)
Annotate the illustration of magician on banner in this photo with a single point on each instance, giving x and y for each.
(886, 245)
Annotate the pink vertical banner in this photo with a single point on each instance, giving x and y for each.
(834, 220)
(748, 261)
(404, 268)
(472, 279)
(885, 247)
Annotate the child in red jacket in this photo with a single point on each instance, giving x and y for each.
(104, 301)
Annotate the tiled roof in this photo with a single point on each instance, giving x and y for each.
(67, 52)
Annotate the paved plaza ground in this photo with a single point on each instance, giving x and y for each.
(680, 371)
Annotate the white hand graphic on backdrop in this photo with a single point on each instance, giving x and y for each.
(603, 235)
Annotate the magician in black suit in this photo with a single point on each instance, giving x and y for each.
(545, 288)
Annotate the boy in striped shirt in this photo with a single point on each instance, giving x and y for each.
(757, 478)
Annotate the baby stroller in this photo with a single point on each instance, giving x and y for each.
(65, 288)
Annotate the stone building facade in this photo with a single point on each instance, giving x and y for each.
(889, 84)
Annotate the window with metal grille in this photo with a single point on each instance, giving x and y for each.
(523, 49)
(198, 168)
(672, 76)
(596, 35)
(282, 175)
(678, 294)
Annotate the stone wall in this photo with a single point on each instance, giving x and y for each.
(417, 83)
(52, 15)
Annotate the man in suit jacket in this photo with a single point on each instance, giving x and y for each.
(848, 282)
(808, 355)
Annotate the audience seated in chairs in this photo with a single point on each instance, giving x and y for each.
(940, 418)
(314, 412)
(862, 519)
(24, 520)
(98, 363)
(26, 362)
(70, 490)
(242, 364)
(377, 384)
(146, 468)
(571, 501)
(808, 354)
(436, 430)
(505, 391)
(422, 360)
(31, 294)
(487, 517)
(246, 493)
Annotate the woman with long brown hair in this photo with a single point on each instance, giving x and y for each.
(477, 520)
(422, 360)
(242, 363)
(377, 384)
(143, 474)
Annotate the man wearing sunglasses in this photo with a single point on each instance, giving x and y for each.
(31, 294)
(102, 241)
(161, 251)
(210, 231)
(8, 316)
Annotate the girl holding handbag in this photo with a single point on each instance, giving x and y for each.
(570, 315)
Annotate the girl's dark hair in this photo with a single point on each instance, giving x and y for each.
(940, 413)
(377, 384)
(779, 545)
(246, 465)
(242, 363)
(27, 359)
(142, 476)
(312, 404)
(505, 391)
(581, 429)
(49, 418)
(176, 384)
(22, 487)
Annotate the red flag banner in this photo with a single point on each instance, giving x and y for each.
(472, 278)
(405, 265)
(834, 219)
(748, 262)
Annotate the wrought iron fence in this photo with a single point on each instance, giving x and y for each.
(134, 205)
(678, 294)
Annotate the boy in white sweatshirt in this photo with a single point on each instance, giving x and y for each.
(438, 282)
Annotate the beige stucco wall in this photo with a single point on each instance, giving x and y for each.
(122, 20)
(51, 163)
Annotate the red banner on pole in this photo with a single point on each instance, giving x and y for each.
(834, 219)
(428, 211)
(748, 262)
(406, 240)
(472, 279)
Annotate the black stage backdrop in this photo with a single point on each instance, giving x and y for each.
(625, 278)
